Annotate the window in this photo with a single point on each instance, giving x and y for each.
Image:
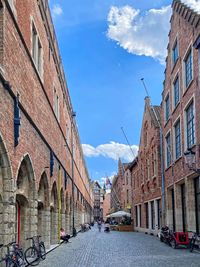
(176, 92)
(167, 108)
(175, 53)
(188, 69)
(168, 150)
(190, 128)
(36, 50)
(177, 133)
(56, 105)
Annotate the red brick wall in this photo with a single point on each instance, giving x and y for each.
(36, 98)
(146, 181)
(186, 35)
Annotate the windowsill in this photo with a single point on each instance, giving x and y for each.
(175, 108)
(187, 88)
(176, 160)
(166, 122)
(41, 76)
(193, 146)
(168, 167)
(174, 65)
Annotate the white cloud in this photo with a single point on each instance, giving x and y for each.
(140, 33)
(57, 10)
(194, 4)
(112, 150)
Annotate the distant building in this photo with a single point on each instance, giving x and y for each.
(98, 214)
(106, 205)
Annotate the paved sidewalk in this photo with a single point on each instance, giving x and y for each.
(117, 249)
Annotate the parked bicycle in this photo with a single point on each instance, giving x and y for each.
(14, 256)
(195, 242)
(36, 252)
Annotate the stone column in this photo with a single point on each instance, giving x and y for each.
(178, 207)
(150, 216)
(156, 214)
(190, 206)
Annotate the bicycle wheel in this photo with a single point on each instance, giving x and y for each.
(11, 263)
(42, 251)
(20, 257)
(32, 256)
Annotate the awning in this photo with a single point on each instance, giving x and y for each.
(118, 214)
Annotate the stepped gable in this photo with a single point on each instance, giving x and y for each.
(155, 118)
(189, 14)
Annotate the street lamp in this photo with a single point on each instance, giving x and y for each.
(190, 160)
(72, 151)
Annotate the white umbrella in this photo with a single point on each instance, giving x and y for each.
(120, 213)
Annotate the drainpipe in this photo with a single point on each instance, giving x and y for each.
(162, 179)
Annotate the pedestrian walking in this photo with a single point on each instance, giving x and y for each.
(99, 225)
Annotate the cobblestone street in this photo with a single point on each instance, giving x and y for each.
(94, 249)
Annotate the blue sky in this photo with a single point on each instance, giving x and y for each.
(107, 46)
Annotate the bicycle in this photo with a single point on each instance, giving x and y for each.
(195, 242)
(36, 252)
(14, 256)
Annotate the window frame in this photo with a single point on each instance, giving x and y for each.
(191, 102)
(178, 121)
(165, 100)
(188, 52)
(176, 79)
(168, 164)
(175, 45)
(36, 49)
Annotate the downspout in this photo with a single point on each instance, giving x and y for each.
(162, 180)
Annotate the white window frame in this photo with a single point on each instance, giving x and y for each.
(177, 75)
(38, 59)
(192, 99)
(167, 96)
(174, 138)
(56, 104)
(188, 50)
(171, 149)
(172, 58)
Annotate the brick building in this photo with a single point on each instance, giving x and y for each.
(181, 119)
(44, 184)
(118, 188)
(106, 204)
(147, 183)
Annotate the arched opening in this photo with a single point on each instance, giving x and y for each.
(7, 199)
(54, 215)
(67, 214)
(62, 209)
(43, 210)
(26, 207)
